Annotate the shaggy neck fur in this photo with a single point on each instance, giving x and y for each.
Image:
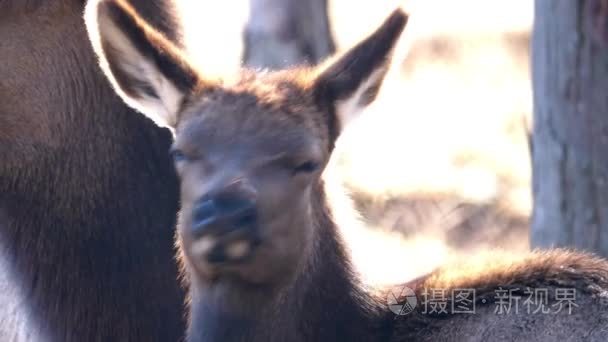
(323, 302)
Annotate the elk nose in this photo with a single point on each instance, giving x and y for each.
(223, 213)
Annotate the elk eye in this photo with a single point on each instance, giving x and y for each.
(178, 155)
(306, 167)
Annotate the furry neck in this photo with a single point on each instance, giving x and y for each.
(323, 302)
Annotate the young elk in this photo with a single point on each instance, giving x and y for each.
(262, 253)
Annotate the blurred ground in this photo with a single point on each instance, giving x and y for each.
(439, 164)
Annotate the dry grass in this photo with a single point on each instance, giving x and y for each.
(439, 165)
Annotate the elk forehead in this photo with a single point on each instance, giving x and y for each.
(273, 117)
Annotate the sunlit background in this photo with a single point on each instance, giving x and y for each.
(439, 164)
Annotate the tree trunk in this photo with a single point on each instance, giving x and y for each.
(283, 33)
(570, 135)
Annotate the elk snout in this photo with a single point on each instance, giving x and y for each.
(225, 224)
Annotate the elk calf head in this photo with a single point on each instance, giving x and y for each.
(250, 150)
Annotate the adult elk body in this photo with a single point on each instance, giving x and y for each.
(88, 195)
(262, 251)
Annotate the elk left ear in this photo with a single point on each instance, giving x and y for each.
(351, 82)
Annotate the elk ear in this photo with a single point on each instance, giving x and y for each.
(145, 68)
(351, 81)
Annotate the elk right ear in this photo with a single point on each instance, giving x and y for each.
(146, 69)
(350, 82)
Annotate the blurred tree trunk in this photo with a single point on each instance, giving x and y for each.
(282, 33)
(570, 136)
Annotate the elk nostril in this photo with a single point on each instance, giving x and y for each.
(222, 214)
(247, 217)
(232, 204)
(204, 214)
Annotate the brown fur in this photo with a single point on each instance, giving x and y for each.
(556, 267)
(82, 181)
(261, 134)
(552, 269)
